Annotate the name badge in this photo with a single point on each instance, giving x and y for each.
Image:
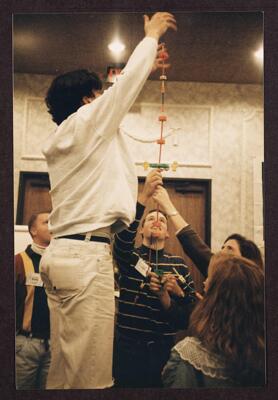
(142, 267)
(34, 279)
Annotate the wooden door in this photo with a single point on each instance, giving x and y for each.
(33, 196)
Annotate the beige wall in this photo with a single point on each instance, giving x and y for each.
(213, 131)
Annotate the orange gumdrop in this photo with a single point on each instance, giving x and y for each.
(160, 141)
(164, 55)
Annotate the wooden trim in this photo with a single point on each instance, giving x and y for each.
(24, 176)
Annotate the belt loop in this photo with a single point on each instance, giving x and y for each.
(88, 236)
(46, 344)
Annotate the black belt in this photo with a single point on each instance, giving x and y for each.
(30, 334)
(77, 236)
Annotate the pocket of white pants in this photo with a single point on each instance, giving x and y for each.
(61, 267)
(67, 273)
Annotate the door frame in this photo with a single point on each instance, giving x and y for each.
(25, 176)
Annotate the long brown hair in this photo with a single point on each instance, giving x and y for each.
(229, 321)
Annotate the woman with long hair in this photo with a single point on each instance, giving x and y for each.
(226, 342)
(195, 247)
(239, 245)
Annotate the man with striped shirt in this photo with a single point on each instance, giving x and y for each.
(148, 319)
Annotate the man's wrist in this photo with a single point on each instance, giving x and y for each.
(143, 199)
(172, 213)
(164, 299)
(152, 34)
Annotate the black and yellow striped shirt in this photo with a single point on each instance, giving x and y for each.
(32, 313)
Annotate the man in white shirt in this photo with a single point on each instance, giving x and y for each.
(93, 190)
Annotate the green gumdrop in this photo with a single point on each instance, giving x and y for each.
(159, 272)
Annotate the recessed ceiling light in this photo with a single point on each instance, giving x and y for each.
(116, 46)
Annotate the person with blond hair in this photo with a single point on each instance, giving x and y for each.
(32, 346)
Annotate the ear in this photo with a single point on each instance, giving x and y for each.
(86, 100)
(167, 235)
(33, 231)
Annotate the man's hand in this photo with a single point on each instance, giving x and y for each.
(161, 197)
(157, 288)
(167, 283)
(155, 284)
(158, 24)
(153, 180)
(170, 284)
(161, 57)
(164, 287)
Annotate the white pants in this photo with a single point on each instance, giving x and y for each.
(79, 283)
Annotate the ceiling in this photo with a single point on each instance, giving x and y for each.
(208, 47)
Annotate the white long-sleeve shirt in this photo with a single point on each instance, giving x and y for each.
(92, 176)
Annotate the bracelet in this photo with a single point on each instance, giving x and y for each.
(172, 214)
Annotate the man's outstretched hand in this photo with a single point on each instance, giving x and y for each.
(158, 24)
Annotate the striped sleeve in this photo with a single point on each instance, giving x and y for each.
(188, 286)
(178, 313)
(19, 269)
(124, 242)
(20, 289)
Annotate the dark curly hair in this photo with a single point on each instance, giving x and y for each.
(248, 249)
(229, 321)
(65, 94)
